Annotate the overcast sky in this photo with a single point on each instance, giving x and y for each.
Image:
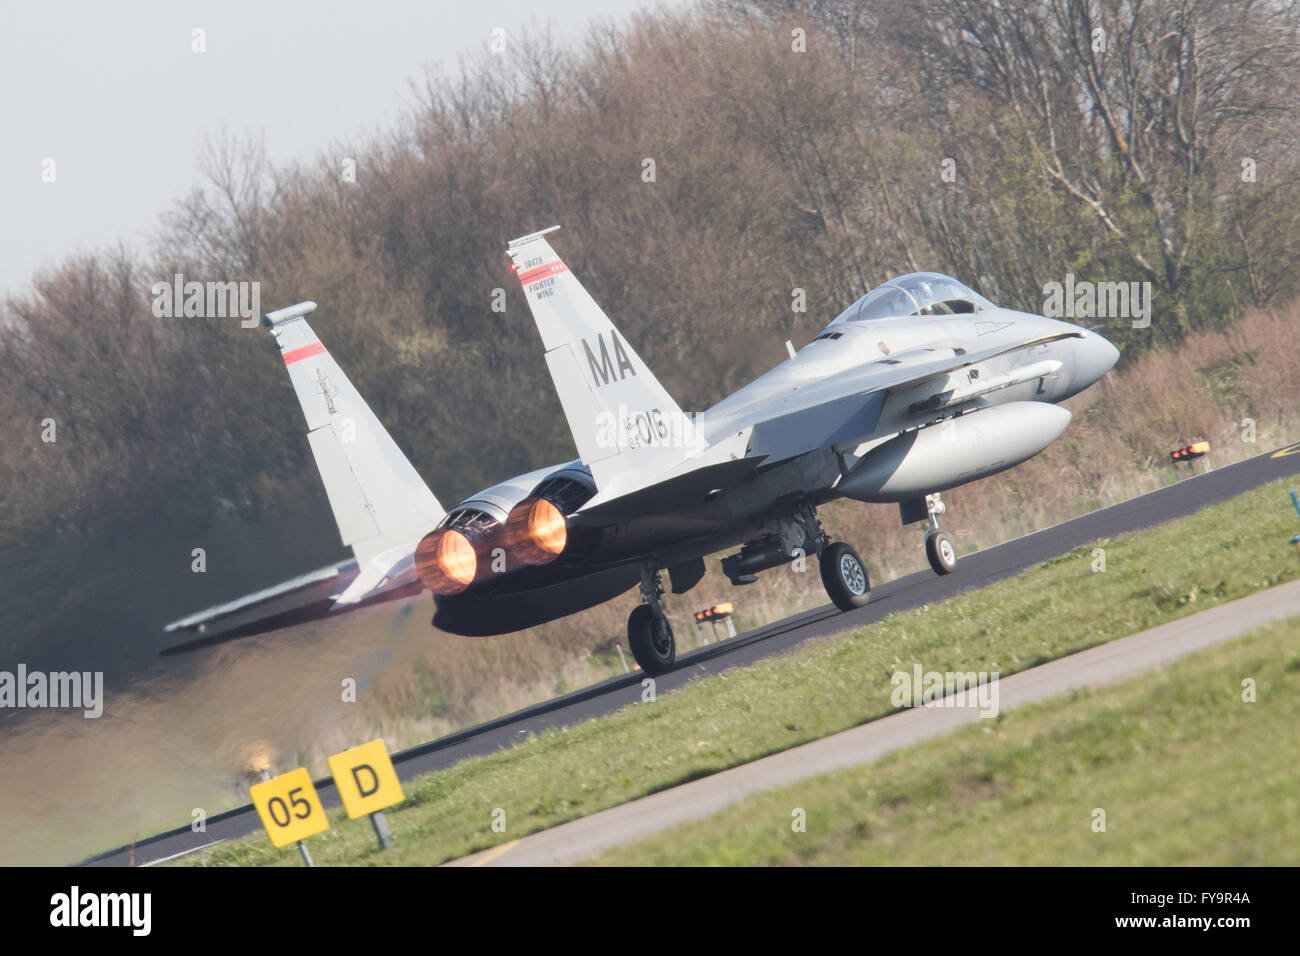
(114, 94)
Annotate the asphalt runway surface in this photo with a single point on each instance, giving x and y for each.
(973, 571)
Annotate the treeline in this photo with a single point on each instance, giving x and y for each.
(712, 169)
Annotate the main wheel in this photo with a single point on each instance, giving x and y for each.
(939, 549)
(651, 639)
(844, 576)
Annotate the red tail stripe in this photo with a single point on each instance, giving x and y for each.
(307, 351)
(541, 272)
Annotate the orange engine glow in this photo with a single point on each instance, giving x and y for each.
(446, 561)
(536, 531)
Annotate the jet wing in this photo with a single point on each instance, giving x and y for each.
(921, 365)
(674, 490)
(909, 368)
(847, 405)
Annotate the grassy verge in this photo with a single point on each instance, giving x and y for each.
(1064, 605)
(1185, 771)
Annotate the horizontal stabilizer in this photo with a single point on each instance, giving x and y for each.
(308, 597)
(200, 621)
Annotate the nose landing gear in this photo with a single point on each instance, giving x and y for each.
(939, 549)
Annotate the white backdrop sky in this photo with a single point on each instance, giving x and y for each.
(113, 93)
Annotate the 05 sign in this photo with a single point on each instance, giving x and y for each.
(289, 807)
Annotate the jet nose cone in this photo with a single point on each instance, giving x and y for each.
(1094, 357)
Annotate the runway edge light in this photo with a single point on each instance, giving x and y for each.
(1195, 450)
(717, 614)
(1200, 449)
(367, 783)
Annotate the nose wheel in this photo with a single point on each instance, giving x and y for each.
(941, 552)
(939, 549)
(844, 576)
(648, 632)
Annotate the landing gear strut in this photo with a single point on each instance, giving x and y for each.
(939, 548)
(844, 576)
(797, 535)
(648, 632)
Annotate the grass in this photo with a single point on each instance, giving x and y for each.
(1062, 606)
(1185, 771)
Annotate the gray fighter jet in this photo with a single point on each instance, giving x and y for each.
(919, 386)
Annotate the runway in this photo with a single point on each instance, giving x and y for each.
(973, 571)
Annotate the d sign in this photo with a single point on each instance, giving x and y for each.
(366, 779)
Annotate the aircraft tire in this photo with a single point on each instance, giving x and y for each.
(844, 576)
(651, 639)
(941, 553)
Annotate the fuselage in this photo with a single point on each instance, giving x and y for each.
(810, 435)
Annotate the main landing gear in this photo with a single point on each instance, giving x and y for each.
(648, 631)
(844, 576)
(939, 548)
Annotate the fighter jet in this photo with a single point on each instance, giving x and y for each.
(919, 386)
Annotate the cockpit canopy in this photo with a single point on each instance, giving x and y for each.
(917, 293)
